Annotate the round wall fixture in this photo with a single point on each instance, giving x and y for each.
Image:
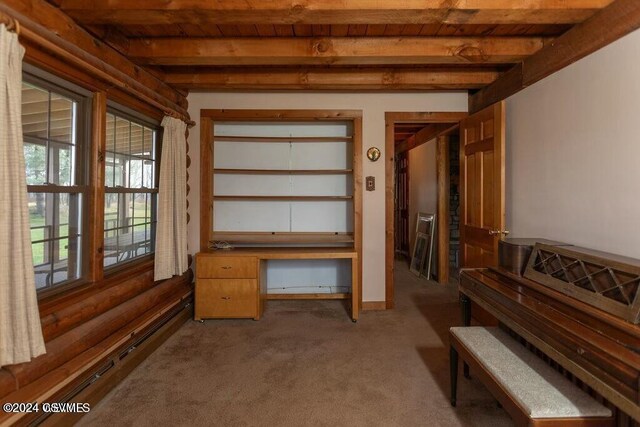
(373, 154)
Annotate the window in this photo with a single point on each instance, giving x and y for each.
(131, 190)
(53, 123)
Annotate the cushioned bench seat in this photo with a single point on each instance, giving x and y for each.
(522, 381)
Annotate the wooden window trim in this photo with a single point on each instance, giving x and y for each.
(98, 99)
(83, 100)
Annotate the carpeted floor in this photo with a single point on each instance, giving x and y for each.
(306, 363)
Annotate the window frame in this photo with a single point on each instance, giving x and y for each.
(121, 111)
(84, 100)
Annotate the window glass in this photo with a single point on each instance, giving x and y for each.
(51, 127)
(131, 191)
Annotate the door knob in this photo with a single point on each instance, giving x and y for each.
(495, 232)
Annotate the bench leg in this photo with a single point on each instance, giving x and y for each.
(453, 360)
(465, 305)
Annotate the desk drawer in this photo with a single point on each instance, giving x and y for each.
(226, 267)
(226, 298)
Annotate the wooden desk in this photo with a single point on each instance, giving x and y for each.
(232, 283)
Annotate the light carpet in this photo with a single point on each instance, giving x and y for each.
(306, 363)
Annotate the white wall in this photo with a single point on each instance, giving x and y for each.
(573, 153)
(423, 184)
(373, 105)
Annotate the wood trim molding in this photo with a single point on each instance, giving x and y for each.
(611, 23)
(389, 211)
(443, 182)
(206, 180)
(374, 305)
(284, 115)
(391, 118)
(428, 133)
(358, 197)
(307, 296)
(96, 198)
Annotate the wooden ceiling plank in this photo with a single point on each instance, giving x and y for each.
(266, 30)
(162, 12)
(333, 50)
(430, 30)
(393, 29)
(357, 30)
(339, 30)
(283, 30)
(411, 30)
(332, 79)
(376, 30)
(247, 30)
(615, 21)
(321, 30)
(302, 30)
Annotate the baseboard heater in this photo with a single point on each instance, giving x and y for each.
(97, 382)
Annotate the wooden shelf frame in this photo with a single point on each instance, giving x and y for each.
(285, 139)
(283, 198)
(208, 118)
(249, 237)
(283, 171)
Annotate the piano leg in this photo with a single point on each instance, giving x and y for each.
(465, 305)
(453, 360)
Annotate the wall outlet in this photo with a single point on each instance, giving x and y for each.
(370, 183)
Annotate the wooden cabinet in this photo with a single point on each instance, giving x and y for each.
(227, 287)
(280, 185)
(232, 283)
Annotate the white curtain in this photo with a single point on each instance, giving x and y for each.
(171, 230)
(20, 332)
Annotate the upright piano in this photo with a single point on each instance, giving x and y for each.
(581, 308)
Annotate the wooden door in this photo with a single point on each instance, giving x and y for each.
(402, 204)
(482, 170)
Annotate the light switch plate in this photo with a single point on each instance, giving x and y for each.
(370, 183)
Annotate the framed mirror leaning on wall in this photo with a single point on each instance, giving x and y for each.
(422, 254)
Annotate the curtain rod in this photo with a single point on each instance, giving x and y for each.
(10, 22)
(176, 115)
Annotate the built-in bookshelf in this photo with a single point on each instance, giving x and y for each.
(283, 182)
(292, 179)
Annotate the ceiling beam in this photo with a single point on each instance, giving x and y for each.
(426, 134)
(46, 27)
(208, 12)
(334, 79)
(332, 50)
(615, 21)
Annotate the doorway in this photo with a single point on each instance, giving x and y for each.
(406, 131)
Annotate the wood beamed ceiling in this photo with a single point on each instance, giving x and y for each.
(329, 44)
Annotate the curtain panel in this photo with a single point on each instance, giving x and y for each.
(171, 230)
(20, 331)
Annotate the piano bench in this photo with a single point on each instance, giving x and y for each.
(532, 392)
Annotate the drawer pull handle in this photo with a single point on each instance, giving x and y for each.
(225, 297)
(226, 267)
